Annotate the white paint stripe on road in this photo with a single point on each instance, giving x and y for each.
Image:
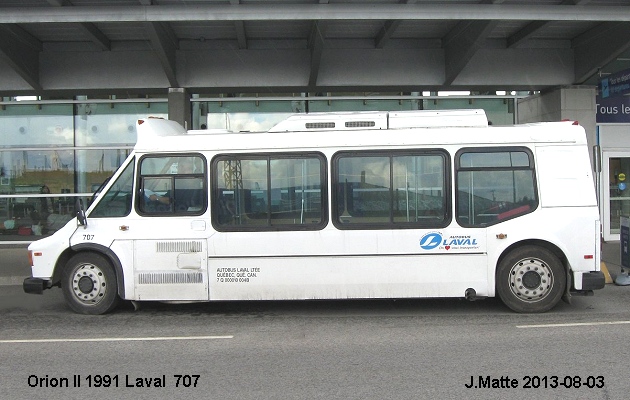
(121, 339)
(574, 324)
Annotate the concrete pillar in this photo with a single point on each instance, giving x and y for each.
(179, 106)
(576, 103)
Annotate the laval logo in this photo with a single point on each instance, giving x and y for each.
(431, 240)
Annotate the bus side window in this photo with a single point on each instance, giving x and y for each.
(269, 192)
(384, 189)
(172, 185)
(494, 185)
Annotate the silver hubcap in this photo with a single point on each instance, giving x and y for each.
(531, 279)
(89, 284)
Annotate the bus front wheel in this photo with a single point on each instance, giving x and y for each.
(530, 279)
(89, 284)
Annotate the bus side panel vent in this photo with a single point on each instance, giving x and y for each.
(191, 246)
(165, 278)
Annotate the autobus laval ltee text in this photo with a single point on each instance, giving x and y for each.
(357, 205)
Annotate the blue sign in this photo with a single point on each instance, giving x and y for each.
(624, 238)
(616, 84)
(613, 109)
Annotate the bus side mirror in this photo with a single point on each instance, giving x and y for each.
(80, 212)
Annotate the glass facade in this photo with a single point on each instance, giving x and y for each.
(55, 151)
(246, 114)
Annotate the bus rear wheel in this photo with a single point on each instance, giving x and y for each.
(530, 279)
(89, 285)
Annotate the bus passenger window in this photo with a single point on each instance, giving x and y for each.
(494, 185)
(401, 189)
(269, 192)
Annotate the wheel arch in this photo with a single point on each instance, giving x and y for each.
(91, 248)
(535, 242)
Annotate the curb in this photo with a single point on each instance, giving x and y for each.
(606, 273)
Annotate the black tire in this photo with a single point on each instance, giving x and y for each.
(88, 282)
(530, 279)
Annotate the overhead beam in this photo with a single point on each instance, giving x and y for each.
(303, 12)
(525, 33)
(239, 26)
(461, 44)
(165, 45)
(241, 37)
(23, 59)
(599, 46)
(88, 29)
(316, 46)
(386, 32)
(24, 36)
(530, 29)
(95, 35)
(389, 28)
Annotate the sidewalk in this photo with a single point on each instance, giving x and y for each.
(611, 257)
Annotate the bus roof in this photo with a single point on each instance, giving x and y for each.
(357, 129)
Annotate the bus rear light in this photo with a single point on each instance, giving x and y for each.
(588, 256)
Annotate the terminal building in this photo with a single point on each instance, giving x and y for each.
(75, 75)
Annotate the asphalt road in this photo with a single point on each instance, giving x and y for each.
(410, 349)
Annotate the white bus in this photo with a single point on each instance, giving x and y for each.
(362, 205)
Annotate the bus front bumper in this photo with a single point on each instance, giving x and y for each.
(35, 285)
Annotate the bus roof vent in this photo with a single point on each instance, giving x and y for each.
(337, 121)
(320, 125)
(360, 124)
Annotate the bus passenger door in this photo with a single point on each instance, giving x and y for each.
(170, 240)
